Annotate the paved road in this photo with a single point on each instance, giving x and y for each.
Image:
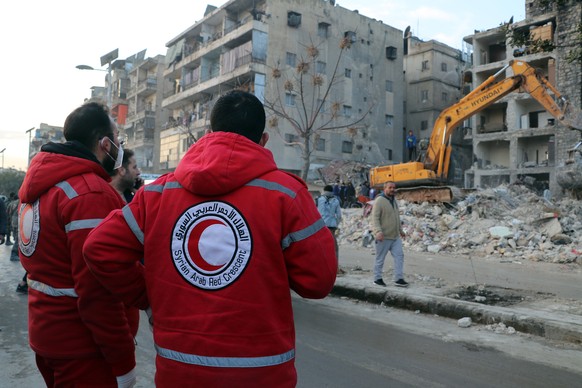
(19, 370)
(342, 345)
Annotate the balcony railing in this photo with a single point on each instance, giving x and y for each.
(189, 49)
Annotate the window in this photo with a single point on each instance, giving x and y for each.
(391, 52)
(289, 99)
(293, 19)
(320, 67)
(323, 30)
(424, 65)
(423, 125)
(424, 95)
(443, 66)
(389, 121)
(444, 96)
(351, 35)
(347, 111)
(389, 154)
(320, 144)
(291, 138)
(291, 59)
(347, 147)
(185, 145)
(348, 73)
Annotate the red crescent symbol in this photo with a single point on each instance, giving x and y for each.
(193, 241)
(25, 234)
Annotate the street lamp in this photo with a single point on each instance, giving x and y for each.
(29, 131)
(105, 59)
(108, 70)
(2, 152)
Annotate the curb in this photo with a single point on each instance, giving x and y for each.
(523, 320)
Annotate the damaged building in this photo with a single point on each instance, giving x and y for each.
(516, 139)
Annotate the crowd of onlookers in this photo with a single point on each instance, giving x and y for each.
(351, 196)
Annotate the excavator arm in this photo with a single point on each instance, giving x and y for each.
(524, 78)
(417, 178)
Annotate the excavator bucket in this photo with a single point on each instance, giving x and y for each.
(425, 194)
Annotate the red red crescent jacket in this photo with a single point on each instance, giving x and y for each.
(71, 315)
(224, 239)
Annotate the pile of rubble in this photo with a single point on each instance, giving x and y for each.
(507, 221)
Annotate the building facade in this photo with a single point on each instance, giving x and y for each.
(516, 139)
(42, 135)
(145, 116)
(238, 45)
(432, 79)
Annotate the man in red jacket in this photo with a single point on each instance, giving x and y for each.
(82, 335)
(223, 240)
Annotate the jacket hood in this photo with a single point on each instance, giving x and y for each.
(56, 163)
(221, 162)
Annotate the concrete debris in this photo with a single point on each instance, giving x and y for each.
(464, 322)
(344, 171)
(500, 328)
(510, 221)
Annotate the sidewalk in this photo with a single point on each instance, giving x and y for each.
(537, 298)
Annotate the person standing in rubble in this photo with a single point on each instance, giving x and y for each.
(388, 231)
(330, 209)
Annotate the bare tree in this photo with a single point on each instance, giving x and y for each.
(314, 106)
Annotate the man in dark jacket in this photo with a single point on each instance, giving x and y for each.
(82, 335)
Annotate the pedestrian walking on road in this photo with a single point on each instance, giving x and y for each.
(388, 231)
(224, 238)
(82, 334)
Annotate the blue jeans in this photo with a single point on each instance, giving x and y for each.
(395, 249)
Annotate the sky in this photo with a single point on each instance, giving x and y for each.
(43, 42)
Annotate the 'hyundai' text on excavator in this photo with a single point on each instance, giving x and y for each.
(425, 180)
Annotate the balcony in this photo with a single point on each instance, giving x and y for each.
(147, 87)
(195, 47)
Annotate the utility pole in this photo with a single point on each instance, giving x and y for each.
(29, 143)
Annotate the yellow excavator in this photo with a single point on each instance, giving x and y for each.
(426, 180)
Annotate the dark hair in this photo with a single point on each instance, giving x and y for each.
(239, 112)
(88, 124)
(127, 154)
(328, 188)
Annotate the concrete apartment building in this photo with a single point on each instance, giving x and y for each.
(145, 116)
(43, 134)
(432, 77)
(515, 139)
(240, 43)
